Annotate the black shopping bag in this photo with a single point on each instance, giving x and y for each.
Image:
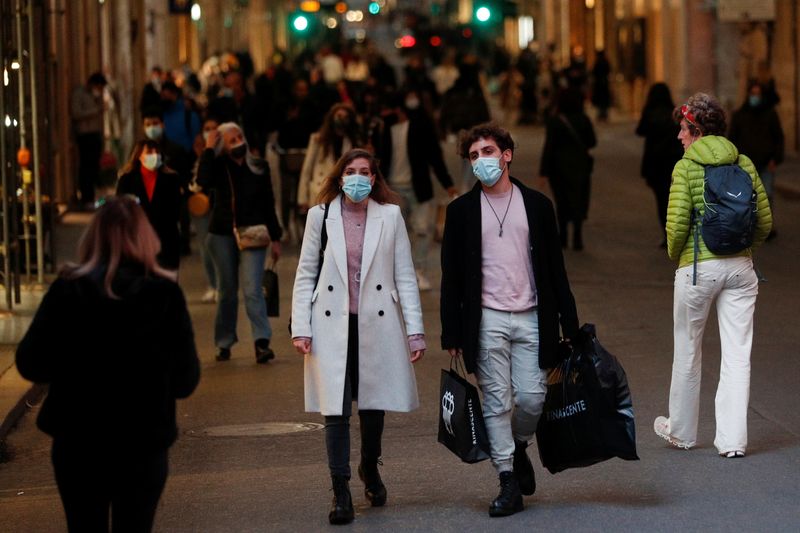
(271, 292)
(461, 426)
(588, 414)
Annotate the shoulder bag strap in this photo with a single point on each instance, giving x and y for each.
(323, 243)
(233, 194)
(573, 132)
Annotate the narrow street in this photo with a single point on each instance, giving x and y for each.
(622, 282)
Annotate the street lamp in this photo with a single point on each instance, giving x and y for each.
(196, 12)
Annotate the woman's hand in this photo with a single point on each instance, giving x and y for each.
(455, 352)
(276, 251)
(417, 355)
(213, 137)
(302, 345)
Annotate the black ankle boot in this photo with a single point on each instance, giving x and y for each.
(374, 489)
(223, 354)
(342, 505)
(263, 352)
(509, 501)
(523, 469)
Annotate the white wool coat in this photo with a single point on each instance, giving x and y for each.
(388, 311)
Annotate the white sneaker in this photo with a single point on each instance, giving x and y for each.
(661, 427)
(422, 282)
(209, 297)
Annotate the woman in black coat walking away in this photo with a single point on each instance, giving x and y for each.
(113, 339)
(662, 149)
(567, 164)
(158, 190)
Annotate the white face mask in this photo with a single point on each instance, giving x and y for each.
(151, 161)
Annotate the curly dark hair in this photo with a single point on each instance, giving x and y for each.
(488, 130)
(707, 113)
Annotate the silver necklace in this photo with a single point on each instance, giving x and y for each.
(501, 222)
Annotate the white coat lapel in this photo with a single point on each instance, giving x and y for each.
(336, 240)
(372, 235)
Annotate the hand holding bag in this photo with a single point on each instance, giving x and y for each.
(255, 236)
(461, 426)
(271, 289)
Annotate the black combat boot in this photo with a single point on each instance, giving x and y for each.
(509, 501)
(264, 353)
(523, 469)
(342, 504)
(374, 489)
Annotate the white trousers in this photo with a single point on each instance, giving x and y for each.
(733, 285)
(509, 376)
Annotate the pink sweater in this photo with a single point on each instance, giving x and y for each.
(354, 220)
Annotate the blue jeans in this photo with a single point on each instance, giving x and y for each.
(229, 263)
(201, 226)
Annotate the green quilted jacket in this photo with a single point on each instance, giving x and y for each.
(686, 193)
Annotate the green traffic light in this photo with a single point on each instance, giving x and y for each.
(300, 23)
(483, 14)
(374, 8)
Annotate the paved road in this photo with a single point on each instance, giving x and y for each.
(622, 283)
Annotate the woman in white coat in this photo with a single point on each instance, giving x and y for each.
(356, 317)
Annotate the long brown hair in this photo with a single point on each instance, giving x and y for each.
(381, 192)
(133, 162)
(118, 231)
(327, 133)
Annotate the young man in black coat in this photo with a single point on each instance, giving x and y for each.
(504, 293)
(408, 150)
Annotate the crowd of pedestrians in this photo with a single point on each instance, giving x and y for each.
(357, 147)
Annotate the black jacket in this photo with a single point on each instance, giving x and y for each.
(163, 211)
(115, 367)
(462, 280)
(662, 149)
(255, 201)
(757, 133)
(424, 153)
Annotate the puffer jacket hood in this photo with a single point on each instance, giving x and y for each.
(686, 196)
(712, 150)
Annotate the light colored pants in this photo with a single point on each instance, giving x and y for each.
(509, 376)
(419, 220)
(733, 284)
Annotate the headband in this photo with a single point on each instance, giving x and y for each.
(689, 116)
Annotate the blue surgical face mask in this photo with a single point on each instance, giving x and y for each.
(151, 161)
(357, 187)
(154, 132)
(754, 100)
(487, 170)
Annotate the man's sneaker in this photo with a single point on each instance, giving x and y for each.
(523, 469)
(661, 427)
(422, 281)
(209, 297)
(509, 501)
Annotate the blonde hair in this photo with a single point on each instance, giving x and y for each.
(118, 231)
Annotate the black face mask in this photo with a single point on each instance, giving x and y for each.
(238, 152)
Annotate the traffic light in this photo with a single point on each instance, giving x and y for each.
(483, 13)
(374, 8)
(300, 23)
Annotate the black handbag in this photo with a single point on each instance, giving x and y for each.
(271, 289)
(461, 427)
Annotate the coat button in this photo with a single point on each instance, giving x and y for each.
(330, 288)
(327, 313)
(380, 313)
(379, 287)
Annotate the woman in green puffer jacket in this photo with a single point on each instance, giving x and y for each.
(727, 280)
